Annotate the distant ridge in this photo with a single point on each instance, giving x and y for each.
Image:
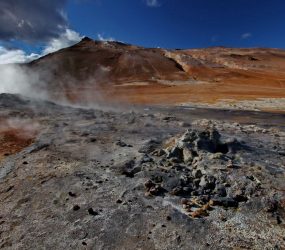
(117, 69)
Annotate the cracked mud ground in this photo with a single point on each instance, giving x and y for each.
(157, 178)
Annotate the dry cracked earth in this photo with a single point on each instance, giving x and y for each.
(150, 178)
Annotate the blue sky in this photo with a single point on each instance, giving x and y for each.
(184, 23)
(41, 26)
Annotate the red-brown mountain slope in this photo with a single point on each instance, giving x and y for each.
(96, 71)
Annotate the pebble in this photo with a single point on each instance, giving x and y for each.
(92, 212)
(223, 201)
(76, 208)
(221, 190)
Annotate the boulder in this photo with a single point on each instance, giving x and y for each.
(187, 155)
(175, 152)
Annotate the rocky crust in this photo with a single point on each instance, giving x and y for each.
(144, 179)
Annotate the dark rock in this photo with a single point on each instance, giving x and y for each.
(176, 152)
(92, 139)
(208, 140)
(282, 153)
(71, 194)
(221, 190)
(92, 212)
(168, 218)
(157, 179)
(149, 184)
(187, 190)
(76, 208)
(177, 191)
(240, 198)
(279, 221)
(175, 160)
(122, 144)
(127, 168)
(128, 174)
(157, 190)
(146, 159)
(196, 182)
(159, 152)
(224, 201)
(197, 173)
(189, 136)
(169, 118)
(271, 205)
(148, 146)
(184, 201)
(221, 148)
(153, 189)
(207, 182)
(184, 124)
(9, 189)
(85, 134)
(195, 193)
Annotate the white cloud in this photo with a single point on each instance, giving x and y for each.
(15, 56)
(152, 3)
(106, 39)
(17, 79)
(66, 39)
(246, 35)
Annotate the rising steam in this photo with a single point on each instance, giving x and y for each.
(15, 79)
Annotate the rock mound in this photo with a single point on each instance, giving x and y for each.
(199, 169)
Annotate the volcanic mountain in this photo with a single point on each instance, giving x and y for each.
(96, 71)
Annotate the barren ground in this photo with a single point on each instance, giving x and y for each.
(150, 178)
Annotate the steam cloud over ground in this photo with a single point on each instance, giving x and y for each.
(16, 79)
